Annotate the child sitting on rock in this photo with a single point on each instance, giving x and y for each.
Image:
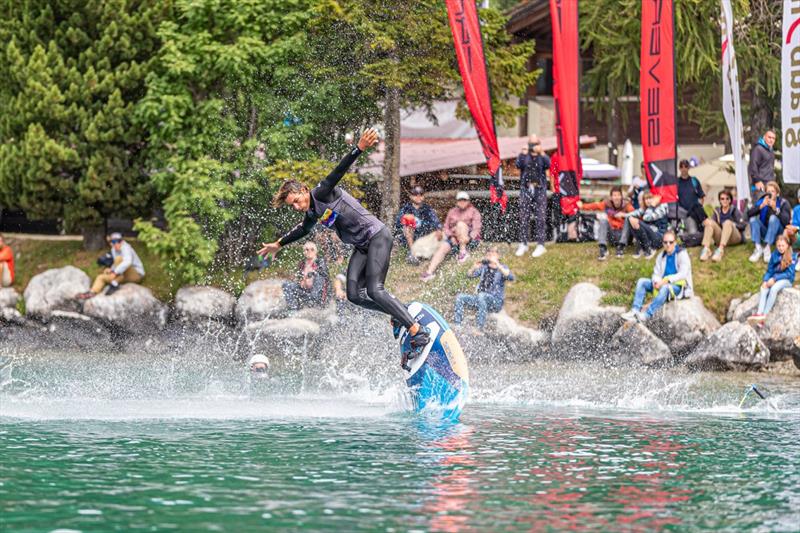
(780, 275)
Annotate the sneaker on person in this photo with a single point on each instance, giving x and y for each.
(603, 255)
(649, 254)
(637, 254)
(420, 340)
(620, 253)
(114, 287)
(756, 255)
(767, 253)
(539, 251)
(717, 257)
(641, 317)
(427, 276)
(756, 319)
(463, 256)
(521, 249)
(411, 259)
(705, 255)
(630, 316)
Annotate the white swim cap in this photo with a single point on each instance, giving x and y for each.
(258, 358)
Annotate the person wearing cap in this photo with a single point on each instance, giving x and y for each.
(127, 268)
(415, 219)
(462, 231)
(6, 264)
(690, 200)
(534, 178)
(258, 364)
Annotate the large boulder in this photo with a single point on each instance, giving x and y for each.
(734, 346)
(55, 289)
(583, 325)
(635, 345)
(8, 298)
(782, 325)
(526, 341)
(683, 324)
(260, 300)
(285, 328)
(204, 303)
(132, 309)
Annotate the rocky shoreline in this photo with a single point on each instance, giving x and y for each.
(211, 321)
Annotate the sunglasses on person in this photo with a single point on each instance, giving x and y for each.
(116, 241)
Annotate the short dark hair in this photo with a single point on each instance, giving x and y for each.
(684, 163)
(615, 188)
(288, 187)
(725, 192)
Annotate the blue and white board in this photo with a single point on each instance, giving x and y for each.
(439, 377)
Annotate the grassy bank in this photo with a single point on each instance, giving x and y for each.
(537, 294)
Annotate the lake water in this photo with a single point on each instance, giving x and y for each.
(99, 442)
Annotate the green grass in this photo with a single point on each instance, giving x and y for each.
(537, 294)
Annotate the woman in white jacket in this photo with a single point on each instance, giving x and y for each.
(672, 279)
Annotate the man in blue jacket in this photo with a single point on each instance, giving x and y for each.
(491, 291)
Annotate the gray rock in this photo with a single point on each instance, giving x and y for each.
(261, 299)
(781, 326)
(734, 346)
(683, 324)
(8, 298)
(132, 309)
(633, 344)
(732, 309)
(322, 316)
(10, 315)
(55, 289)
(583, 325)
(529, 341)
(285, 328)
(204, 303)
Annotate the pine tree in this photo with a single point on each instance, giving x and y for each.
(72, 74)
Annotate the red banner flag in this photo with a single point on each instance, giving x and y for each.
(657, 98)
(466, 30)
(564, 17)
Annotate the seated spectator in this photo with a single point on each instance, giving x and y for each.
(490, 293)
(725, 228)
(462, 232)
(311, 287)
(6, 264)
(690, 200)
(638, 188)
(768, 216)
(611, 227)
(648, 225)
(780, 275)
(127, 268)
(416, 219)
(672, 279)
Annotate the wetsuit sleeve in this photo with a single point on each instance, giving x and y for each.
(299, 231)
(325, 188)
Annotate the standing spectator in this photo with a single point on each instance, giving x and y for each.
(612, 226)
(127, 268)
(762, 162)
(648, 224)
(462, 231)
(416, 219)
(534, 178)
(780, 275)
(672, 279)
(725, 227)
(768, 216)
(311, 287)
(491, 291)
(690, 200)
(6, 264)
(638, 188)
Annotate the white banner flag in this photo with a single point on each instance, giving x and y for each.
(790, 91)
(731, 107)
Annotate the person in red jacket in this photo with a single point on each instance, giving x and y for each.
(6, 264)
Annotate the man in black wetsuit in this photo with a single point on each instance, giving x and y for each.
(329, 205)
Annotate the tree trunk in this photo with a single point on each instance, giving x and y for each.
(760, 117)
(613, 129)
(94, 238)
(390, 203)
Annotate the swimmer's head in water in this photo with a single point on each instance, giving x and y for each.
(259, 364)
(293, 193)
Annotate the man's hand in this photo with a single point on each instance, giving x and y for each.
(493, 263)
(439, 234)
(524, 150)
(759, 185)
(770, 282)
(619, 214)
(368, 138)
(579, 204)
(764, 285)
(707, 222)
(106, 271)
(269, 249)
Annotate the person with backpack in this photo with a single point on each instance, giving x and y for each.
(671, 280)
(780, 275)
(725, 228)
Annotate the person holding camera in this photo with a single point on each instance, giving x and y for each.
(310, 289)
(126, 267)
(534, 178)
(490, 293)
(768, 216)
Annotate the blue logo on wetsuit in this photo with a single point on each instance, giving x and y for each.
(328, 218)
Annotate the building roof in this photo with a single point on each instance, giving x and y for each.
(419, 156)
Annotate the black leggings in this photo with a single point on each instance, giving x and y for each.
(366, 275)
